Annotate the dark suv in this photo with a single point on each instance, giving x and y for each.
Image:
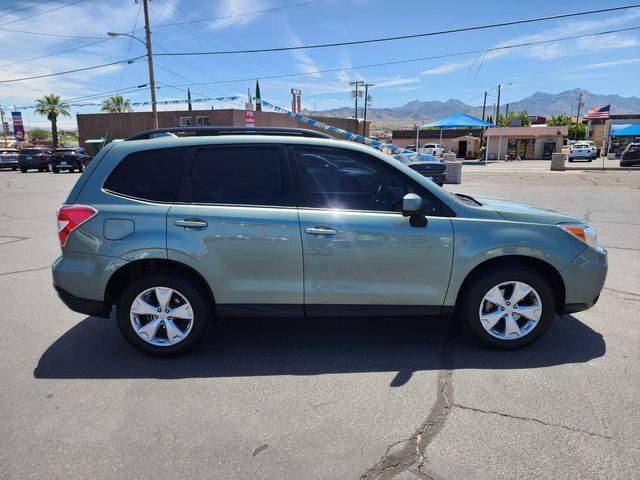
(34, 158)
(291, 223)
(69, 159)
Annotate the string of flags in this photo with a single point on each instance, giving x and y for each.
(384, 147)
(137, 104)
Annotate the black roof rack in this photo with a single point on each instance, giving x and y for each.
(218, 131)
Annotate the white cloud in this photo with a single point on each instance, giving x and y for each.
(447, 68)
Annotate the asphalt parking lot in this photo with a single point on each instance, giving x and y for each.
(330, 398)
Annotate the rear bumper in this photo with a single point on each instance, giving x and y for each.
(95, 308)
(584, 279)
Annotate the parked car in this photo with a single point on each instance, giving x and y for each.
(69, 159)
(37, 158)
(594, 147)
(582, 151)
(432, 149)
(9, 158)
(177, 231)
(630, 155)
(426, 165)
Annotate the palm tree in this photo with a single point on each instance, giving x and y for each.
(116, 104)
(51, 106)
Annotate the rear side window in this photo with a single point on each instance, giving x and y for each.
(148, 175)
(241, 175)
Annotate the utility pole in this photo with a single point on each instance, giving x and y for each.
(498, 104)
(152, 80)
(484, 106)
(366, 102)
(580, 104)
(355, 94)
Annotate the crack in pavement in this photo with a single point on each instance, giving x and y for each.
(25, 271)
(530, 419)
(622, 292)
(14, 239)
(408, 454)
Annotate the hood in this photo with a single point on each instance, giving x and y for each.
(523, 212)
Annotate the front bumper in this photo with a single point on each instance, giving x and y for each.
(584, 279)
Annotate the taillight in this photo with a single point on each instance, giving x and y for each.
(41, 155)
(71, 217)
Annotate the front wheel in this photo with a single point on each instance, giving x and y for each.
(163, 314)
(508, 307)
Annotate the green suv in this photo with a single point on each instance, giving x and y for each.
(175, 231)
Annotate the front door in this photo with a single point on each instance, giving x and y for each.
(361, 256)
(462, 149)
(239, 229)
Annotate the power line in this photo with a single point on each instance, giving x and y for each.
(54, 34)
(56, 53)
(42, 13)
(411, 60)
(28, 7)
(267, 10)
(124, 65)
(406, 37)
(72, 71)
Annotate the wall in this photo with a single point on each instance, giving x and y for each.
(123, 125)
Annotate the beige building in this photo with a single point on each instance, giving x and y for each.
(530, 143)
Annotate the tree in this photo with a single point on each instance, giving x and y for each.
(577, 132)
(522, 117)
(116, 104)
(39, 134)
(51, 106)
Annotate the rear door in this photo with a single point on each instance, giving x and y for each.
(237, 225)
(361, 256)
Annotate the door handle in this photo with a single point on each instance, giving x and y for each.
(320, 230)
(191, 223)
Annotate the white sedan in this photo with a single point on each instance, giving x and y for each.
(582, 151)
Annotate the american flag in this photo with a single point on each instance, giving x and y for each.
(598, 113)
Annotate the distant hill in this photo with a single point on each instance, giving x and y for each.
(540, 103)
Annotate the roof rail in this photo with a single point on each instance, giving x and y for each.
(218, 131)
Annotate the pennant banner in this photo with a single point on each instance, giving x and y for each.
(387, 148)
(138, 104)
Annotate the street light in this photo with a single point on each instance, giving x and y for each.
(147, 44)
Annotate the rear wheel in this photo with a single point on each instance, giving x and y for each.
(56, 170)
(508, 307)
(163, 314)
(23, 170)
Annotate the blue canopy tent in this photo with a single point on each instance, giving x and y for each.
(628, 131)
(458, 120)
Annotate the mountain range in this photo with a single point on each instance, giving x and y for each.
(540, 103)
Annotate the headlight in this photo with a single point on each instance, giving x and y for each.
(583, 232)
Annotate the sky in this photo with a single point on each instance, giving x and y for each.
(35, 39)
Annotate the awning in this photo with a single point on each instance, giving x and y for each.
(629, 131)
(459, 120)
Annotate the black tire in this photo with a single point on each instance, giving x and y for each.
(180, 283)
(56, 170)
(80, 168)
(571, 160)
(590, 160)
(71, 170)
(23, 170)
(471, 301)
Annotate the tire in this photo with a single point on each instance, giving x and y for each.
(80, 168)
(56, 170)
(525, 329)
(71, 170)
(23, 170)
(590, 160)
(183, 290)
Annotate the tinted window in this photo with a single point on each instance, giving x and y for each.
(344, 179)
(149, 174)
(239, 175)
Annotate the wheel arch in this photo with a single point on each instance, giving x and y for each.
(132, 270)
(545, 269)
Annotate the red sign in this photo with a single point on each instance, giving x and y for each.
(249, 118)
(18, 127)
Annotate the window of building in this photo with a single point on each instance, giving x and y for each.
(239, 175)
(186, 121)
(148, 174)
(203, 121)
(343, 179)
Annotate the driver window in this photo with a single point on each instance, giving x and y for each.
(344, 179)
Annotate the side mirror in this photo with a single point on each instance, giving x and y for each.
(412, 208)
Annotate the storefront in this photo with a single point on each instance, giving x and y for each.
(525, 143)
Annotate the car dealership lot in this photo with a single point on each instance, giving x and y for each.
(329, 398)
